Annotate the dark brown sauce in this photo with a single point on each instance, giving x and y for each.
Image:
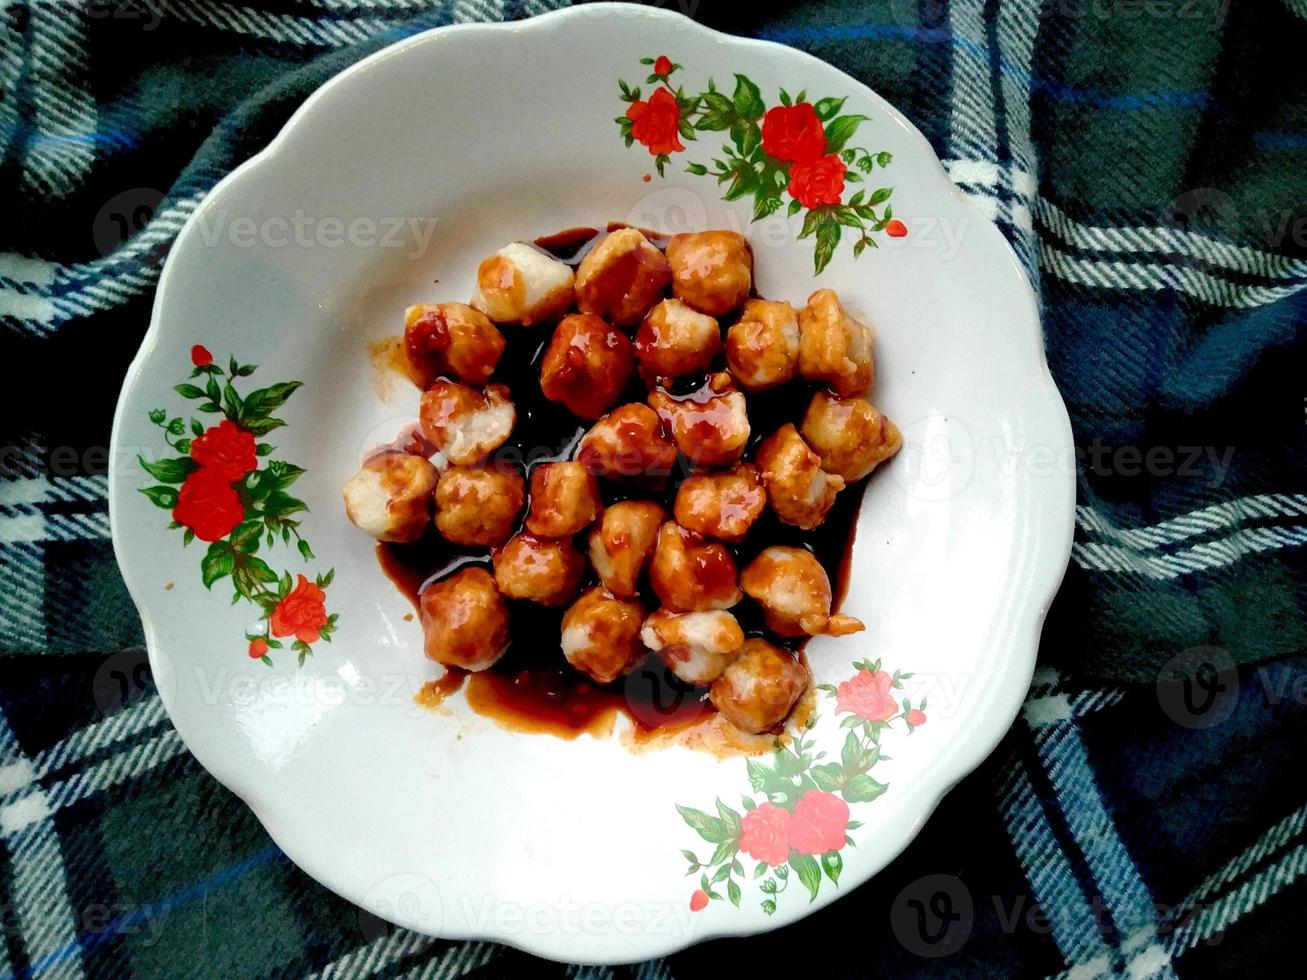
(533, 688)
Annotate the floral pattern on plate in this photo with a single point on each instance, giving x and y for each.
(797, 149)
(217, 492)
(796, 821)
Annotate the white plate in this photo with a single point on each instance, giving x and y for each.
(440, 820)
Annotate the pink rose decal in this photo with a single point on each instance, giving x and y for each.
(819, 823)
(867, 695)
(764, 834)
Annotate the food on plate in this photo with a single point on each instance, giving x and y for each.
(762, 347)
(478, 505)
(622, 543)
(695, 646)
(760, 686)
(601, 635)
(795, 594)
(711, 270)
(597, 455)
(675, 340)
(710, 425)
(628, 444)
(798, 489)
(534, 569)
(689, 573)
(622, 277)
(390, 496)
(450, 338)
(833, 346)
(722, 505)
(564, 500)
(586, 365)
(465, 424)
(523, 285)
(851, 437)
(465, 620)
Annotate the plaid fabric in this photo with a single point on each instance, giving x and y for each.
(1147, 159)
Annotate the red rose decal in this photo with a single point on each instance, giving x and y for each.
(819, 182)
(208, 505)
(916, 717)
(698, 900)
(819, 823)
(200, 356)
(656, 123)
(663, 66)
(895, 228)
(867, 695)
(793, 134)
(258, 647)
(764, 834)
(226, 448)
(303, 611)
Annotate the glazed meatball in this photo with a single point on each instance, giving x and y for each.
(628, 443)
(450, 338)
(622, 543)
(520, 284)
(721, 505)
(601, 635)
(795, 595)
(711, 270)
(834, 347)
(465, 424)
(695, 646)
(586, 365)
(849, 435)
(762, 349)
(690, 574)
(674, 340)
(798, 489)
(759, 688)
(464, 620)
(390, 496)
(710, 426)
(564, 499)
(538, 569)
(477, 506)
(622, 277)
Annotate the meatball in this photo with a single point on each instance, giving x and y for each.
(520, 284)
(849, 435)
(711, 270)
(710, 426)
(390, 496)
(695, 646)
(690, 574)
(721, 505)
(586, 365)
(622, 277)
(450, 338)
(795, 595)
(564, 499)
(674, 340)
(762, 349)
(601, 635)
(834, 347)
(465, 424)
(477, 506)
(464, 620)
(622, 543)
(798, 489)
(759, 688)
(538, 569)
(628, 443)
